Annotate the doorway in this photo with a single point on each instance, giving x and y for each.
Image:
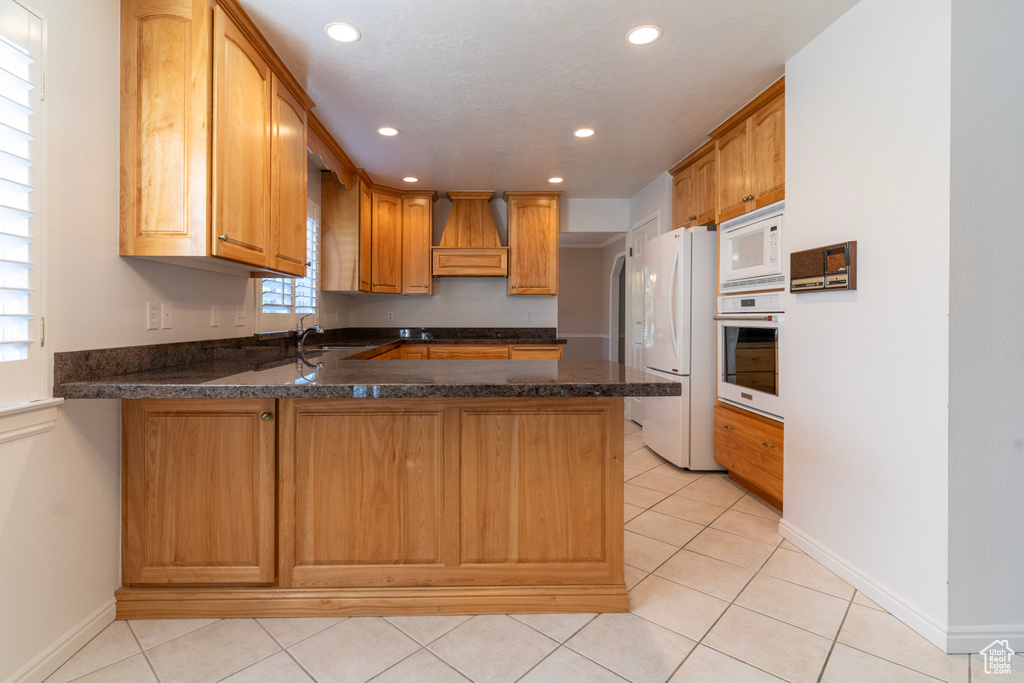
(639, 235)
(617, 312)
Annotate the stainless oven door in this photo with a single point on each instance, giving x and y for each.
(748, 362)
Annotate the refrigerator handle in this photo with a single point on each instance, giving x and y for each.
(672, 303)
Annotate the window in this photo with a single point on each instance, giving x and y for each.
(284, 300)
(21, 127)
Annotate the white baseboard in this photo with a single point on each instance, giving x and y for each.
(973, 639)
(892, 602)
(51, 659)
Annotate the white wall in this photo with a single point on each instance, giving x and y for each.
(865, 374)
(457, 302)
(60, 492)
(986, 370)
(593, 215)
(655, 198)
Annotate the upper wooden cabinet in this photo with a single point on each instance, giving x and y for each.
(532, 242)
(693, 189)
(212, 141)
(345, 234)
(386, 241)
(752, 155)
(417, 237)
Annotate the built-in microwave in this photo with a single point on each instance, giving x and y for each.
(750, 335)
(750, 251)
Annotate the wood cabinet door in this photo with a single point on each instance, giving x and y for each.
(535, 352)
(417, 235)
(414, 351)
(705, 207)
(683, 196)
(733, 149)
(288, 182)
(241, 147)
(363, 496)
(751, 448)
(533, 245)
(386, 262)
(769, 152)
(365, 236)
(165, 105)
(198, 481)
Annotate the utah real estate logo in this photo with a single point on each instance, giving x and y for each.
(997, 657)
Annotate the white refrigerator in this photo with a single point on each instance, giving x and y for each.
(679, 344)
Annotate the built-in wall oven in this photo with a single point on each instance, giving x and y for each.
(750, 334)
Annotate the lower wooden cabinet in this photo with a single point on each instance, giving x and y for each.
(413, 351)
(535, 352)
(469, 352)
(750, 446)
(198, 481)
(448, 492)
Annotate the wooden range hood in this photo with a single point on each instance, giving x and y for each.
(470, 246)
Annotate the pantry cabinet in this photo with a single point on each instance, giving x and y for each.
(751, 157)
(212, 136)
(532, 242)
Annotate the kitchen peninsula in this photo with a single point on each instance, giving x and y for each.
(265, 481)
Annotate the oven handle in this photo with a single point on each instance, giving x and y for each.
(766, 318)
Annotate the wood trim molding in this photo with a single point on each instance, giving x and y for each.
(751, 106)
(320, 141)
(259, 41)
(183, 603)
(708, 146)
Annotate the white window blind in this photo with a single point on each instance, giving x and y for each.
(20, 221)
(293, 297)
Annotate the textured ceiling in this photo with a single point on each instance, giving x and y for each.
(488, 92)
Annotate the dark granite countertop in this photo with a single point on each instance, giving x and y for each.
(334, 374)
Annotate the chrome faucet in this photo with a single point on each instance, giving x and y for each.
(302, 332)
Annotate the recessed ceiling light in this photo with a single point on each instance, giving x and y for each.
(556, 179)
(410, 179)
(583, 132)
(642, 35)
(342, 32)
(388, 130)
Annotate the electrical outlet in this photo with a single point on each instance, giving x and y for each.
(165, 316)
(239, 316)
(152, 316)
(391, 317)
(529, 317)
(214, 316)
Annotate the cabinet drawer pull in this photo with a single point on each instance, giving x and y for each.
(223, 237)
(266, 417)
(309, 263)
(365, 282)
(513, 286)
(728, 428)
(766, 445)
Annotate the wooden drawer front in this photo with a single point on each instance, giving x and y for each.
(468, 262)
(198, 478)
(468, 352)
(750, 448)
(552, 352)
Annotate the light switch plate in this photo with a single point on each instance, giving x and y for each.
(239, 316)
(214, 316)
(152, 316)
(165, 316)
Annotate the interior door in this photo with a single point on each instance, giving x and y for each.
(639, 236)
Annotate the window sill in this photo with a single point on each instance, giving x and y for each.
(28, 419)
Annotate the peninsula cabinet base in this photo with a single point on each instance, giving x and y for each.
(228, 603)
(314, 507)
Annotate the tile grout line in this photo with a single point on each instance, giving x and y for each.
(835, 640)
(285, 650)
(414, 652)
(566, 646)
(904, 666)
(143, 650)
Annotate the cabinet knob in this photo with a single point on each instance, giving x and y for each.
(766, 445)
(266, 417)
(728, 428)
(365, 282)
(513, 286)
(223, 237)
(693, 218)
(309, 263)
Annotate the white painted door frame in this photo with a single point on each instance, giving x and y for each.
(615, 304)
(639, 234)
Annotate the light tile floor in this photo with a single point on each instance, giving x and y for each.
(716, 596)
